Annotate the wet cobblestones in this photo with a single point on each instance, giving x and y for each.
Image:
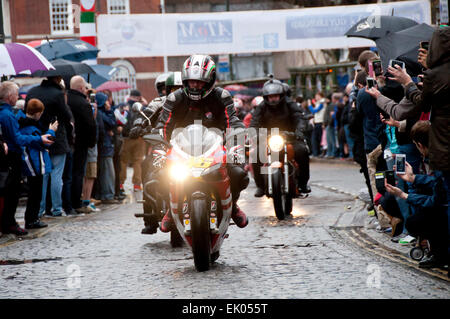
(104, 256)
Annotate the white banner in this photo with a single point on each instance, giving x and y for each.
(145, 35)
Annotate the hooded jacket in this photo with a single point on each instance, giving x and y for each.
(106, 144)
(435, 96)
(35, 160)
(10, 131)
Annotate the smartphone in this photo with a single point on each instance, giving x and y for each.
(424, 45)
(377, 67)
(379, 182)
(370, 82)
(400, 163)
(51, 138)
(393, 63)
(390, 177)
(92, 97)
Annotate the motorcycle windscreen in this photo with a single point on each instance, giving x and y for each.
(196, 140)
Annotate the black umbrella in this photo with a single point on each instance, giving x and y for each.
(378, 26)
(403, 43)
(68, 49)
(65, 68)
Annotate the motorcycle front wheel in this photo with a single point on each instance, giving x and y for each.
(200, 232)
(282, 203)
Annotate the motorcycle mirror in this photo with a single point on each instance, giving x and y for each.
(137, 107)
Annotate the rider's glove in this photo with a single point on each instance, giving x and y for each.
(236, 155)
(135, 132)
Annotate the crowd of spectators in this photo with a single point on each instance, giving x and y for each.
(65, 147)
(406, 112)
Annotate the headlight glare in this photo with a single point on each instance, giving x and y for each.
(276, 143)
(179, 172)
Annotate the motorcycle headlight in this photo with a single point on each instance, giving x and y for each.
(178, 172)
(276, 143)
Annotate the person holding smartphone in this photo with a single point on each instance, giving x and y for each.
(427, 194)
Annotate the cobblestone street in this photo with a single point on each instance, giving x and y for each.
(317, 254)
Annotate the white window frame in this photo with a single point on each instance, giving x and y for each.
(69, 18)
(120, 96)
(127, 7)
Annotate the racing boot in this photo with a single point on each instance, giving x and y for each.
(304, 189)
(259, 192)
(166, 222)
(151, 225)
(238, 216)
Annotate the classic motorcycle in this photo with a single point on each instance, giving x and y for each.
(199, 189)
(281, 181)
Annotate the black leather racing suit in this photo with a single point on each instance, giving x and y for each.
(215, 110)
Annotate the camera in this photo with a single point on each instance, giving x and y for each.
(424, 45)
(400, 163)
(51, 138)
(377, 67)
(393, 63)
(371, 82)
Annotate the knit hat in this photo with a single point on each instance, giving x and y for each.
(135, 93)
(101, 98)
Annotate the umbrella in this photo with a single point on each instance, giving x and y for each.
(102, 74)
(403, 43)
(69, 49)
(19, 58)
(24, 89)
(378, 26)
(251, 91)
(65, 68)
(113, 86)
(36, 43)
(235, 87)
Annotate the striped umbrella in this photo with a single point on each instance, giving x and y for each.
(19, 58)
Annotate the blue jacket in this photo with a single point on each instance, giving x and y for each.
(35, 160)
(372, 125)
(106, 145)
(428, 191)
(11, 134)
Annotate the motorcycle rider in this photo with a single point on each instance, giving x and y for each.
(200, 100)
(278, 111)
(141, 127)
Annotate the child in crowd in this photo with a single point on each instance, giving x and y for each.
(35, 161)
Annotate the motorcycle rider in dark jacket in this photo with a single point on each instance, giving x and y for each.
(167, 82)
(200, 100)
(279, 111)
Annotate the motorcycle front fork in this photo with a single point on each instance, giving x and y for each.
(285, 170)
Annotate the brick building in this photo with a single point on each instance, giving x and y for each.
(26, 20)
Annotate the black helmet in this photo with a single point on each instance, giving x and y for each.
(160, 83)
(273, 87)
(200, 68)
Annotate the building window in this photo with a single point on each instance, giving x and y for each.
(61, 17)
(126, 73)
(118, 7)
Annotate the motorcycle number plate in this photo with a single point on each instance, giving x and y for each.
(201, 162)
